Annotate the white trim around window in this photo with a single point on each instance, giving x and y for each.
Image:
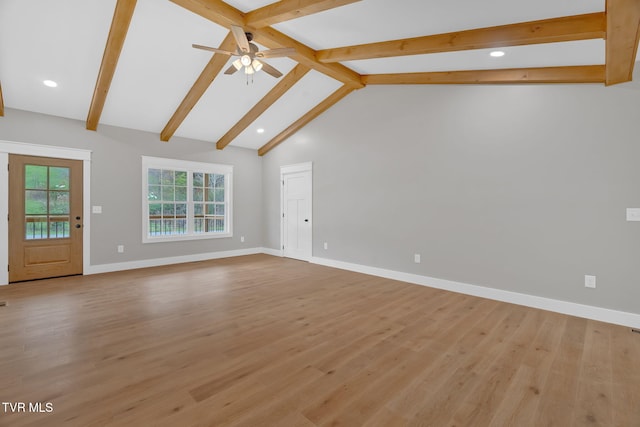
(195, 215)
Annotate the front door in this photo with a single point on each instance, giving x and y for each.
(45, 223)
(296, 220)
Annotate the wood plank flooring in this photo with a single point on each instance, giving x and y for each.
(267, 341)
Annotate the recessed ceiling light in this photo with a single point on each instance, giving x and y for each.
(260, 130)
(50, 83)
(497, 53)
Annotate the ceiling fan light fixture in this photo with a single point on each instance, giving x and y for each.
(249, 70)
(257, 65)
(245, 60)
(237, 64)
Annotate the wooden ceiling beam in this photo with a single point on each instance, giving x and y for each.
(328, 102)
(225, 15)
(573, 74)
(274, 94)
(623, 33)
(115, 41)
(1, 103)
(568, 28)
(214, 10)
(286, 10)
(202, 83)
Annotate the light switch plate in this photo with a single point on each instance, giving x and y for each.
(633, 214)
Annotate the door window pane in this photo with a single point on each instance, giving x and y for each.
(58, 202)
(58, 178)
(58, 227)
(35, 177)
(35, 202)
(36, 227)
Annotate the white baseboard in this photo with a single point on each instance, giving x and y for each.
(585, 311)
(130, 265)
(580, 310)
(274, 252)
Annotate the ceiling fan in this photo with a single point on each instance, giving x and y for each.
(250, 57)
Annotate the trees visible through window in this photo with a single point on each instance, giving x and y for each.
(185, 200)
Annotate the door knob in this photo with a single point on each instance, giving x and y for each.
(306, 220)
(78, 218)
(78, 226)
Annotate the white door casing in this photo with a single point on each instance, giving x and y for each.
(8, 147)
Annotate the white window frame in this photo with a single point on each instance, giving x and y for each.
(190, 167)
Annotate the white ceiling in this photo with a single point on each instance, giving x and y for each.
(64, 40)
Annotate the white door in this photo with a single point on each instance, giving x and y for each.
(296, 218)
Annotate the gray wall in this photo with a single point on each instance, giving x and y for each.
(521, 188)
(116, 185)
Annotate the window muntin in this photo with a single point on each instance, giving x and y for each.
(185, 200)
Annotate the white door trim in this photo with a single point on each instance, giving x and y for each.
(10, 147)
(288, 169)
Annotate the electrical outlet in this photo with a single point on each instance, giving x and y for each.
(96, 209)
(589, 281)
(416, 258)
(242, 239)
(326, 246)
(120, 249)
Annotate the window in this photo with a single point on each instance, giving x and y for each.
(185, 200)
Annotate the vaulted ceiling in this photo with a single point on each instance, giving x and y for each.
(130, 63)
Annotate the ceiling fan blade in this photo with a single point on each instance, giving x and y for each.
(213, 49)
(270, 70)
(276, 53)
(231, 70)
(241, 38)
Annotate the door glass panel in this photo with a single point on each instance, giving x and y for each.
(58, 178)
(47, 203)
(36, 227)
(58, 227)
(35, 202)
(59, 202)
(35, 177)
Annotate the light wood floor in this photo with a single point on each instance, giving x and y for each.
(266, 341)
